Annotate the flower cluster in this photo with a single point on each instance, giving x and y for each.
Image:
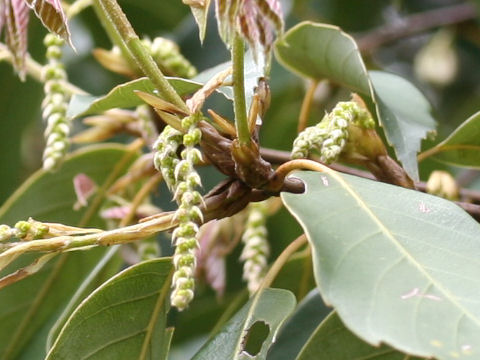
(330, 136)
(25, 230)
(168, 56)
(183, 180)
(257, 249)
(55, 105)
(165, 158)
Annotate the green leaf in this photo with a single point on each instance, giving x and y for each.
(123, 96)
(298, 328)
(238, 339)
(332, 340)
(320, 51)
(30, 304)
(125, 318)
(405, 114)
(462, 147)
(108, 266)
(399, 266)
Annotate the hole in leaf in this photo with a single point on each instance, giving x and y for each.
(255, 337)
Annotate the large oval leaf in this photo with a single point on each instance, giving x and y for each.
(125, 318)
(268, 310)
(332, 340)
(399, 266)
(35, 302)
(321, 51)
(462, 147)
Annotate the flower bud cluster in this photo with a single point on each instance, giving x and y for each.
(183, 180)
(330, 136)
(55, 104)
(25, 230)
(146, 124)
(165, 158)
(168, 57)
(256, 248)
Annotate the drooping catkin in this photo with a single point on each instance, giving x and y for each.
(183, 180)
(330, 135)
(256, 248)
(54, 105)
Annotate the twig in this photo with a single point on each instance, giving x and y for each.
(281, 260)
(34, 69)
(280, 157)
(306, 106)
(239, 104)
(415, 24)
(104, 238)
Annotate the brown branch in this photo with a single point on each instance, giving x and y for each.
(415, 24)
(281, 157)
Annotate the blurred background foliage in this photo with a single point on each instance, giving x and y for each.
(442, 61)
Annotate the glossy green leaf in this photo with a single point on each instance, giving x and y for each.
(123, 96)
(332, 340)
(321, 51)
(462, 147)
(125, 318)
(405, 114)
(295, 332)
(267, 310)
(399, 266)
(31, 306)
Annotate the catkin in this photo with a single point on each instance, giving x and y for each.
(54, 105)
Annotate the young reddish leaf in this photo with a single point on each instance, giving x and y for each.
(258, 21)
(16, 19)
(51, 14)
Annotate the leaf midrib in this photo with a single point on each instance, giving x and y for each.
(393, 239)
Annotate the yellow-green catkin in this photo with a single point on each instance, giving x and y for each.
(256, 248)
(183, 180)
(54, 105)
(329, 136)
(169, 58)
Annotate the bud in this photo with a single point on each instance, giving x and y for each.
(441, 183)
